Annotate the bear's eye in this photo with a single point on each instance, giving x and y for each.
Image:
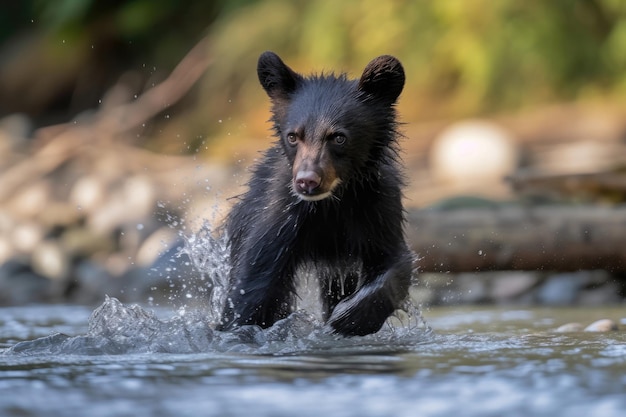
(292, 138)
(338, 139)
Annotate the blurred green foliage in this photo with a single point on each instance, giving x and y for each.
(462, 57)
(58, 58)
(161, 30)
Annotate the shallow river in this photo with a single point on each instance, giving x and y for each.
(121, 361)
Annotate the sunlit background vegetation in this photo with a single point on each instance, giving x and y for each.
(462, 58)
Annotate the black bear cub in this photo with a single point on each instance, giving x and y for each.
(325, 199)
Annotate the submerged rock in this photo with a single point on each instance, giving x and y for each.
(604, 325)
(570, 327)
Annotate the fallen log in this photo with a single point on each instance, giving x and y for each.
(607, 186)
(555, 238)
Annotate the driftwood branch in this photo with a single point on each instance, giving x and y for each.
(153, 101)
(609, 186)
(67, 140)
(560, 238)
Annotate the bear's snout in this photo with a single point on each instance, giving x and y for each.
(307, 182)
(313, 174)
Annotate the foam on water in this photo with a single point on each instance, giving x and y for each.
(115, 328)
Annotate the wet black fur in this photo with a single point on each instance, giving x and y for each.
(357, 233)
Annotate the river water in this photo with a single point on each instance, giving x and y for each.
(121, 360)
(130, 360)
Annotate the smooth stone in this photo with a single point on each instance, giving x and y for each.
(604, 325)
(513, 284)
(570, 327)
(472, 151)
(560, 289)
(51, 261)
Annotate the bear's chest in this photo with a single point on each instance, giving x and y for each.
(337, 234)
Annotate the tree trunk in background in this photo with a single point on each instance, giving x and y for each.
(558, 238)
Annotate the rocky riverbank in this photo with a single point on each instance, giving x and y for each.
(84, 213)
(520, 288)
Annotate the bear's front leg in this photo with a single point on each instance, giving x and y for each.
(259, 297)
(366, 310)
(262, 288)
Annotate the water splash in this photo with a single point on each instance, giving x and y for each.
(209, 252)
(118, 329)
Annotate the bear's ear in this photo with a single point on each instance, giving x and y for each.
(383, 79)
(277, 79)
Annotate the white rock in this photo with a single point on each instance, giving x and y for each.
(473, 151)
(29, 201)
(132, 203)
(604, 325)
(88, 193)
(26, 236)
(49, 260)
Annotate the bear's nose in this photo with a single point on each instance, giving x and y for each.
(307, 181)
